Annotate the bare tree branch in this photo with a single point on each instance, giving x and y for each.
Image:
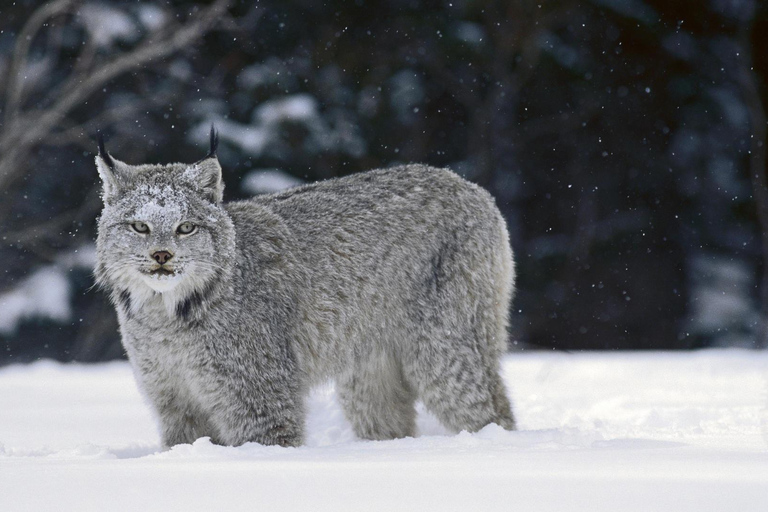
(24, 40)
(30, 129)
(57, 223)
(77, 133)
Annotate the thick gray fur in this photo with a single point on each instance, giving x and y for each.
(394, 283)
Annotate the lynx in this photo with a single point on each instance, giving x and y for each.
(394, 283)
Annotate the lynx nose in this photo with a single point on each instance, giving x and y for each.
(162, 257)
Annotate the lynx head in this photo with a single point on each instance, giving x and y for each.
(163, 229)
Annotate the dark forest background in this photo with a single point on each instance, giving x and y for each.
(623, 141)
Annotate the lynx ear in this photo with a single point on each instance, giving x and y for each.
(208, 172)
(208, 179)
(109, 169)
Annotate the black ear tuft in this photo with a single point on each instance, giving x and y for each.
(103, 152)
(214, 143)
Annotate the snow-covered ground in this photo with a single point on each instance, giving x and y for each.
(599, 432)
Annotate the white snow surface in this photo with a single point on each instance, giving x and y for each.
(598, 432)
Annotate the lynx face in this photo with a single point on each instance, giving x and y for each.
(162, 230)
(160, 235)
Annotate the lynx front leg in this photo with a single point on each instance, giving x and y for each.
(253, 409)
(180, 421)
(261, 427)
(269, 423)
(182, 427)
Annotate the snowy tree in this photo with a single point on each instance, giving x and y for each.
(623, 141)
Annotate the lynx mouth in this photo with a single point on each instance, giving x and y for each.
(161, 271)
(162, 279)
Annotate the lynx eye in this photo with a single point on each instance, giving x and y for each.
(140, 227)
(186, 228)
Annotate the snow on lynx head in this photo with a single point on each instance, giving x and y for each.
(163, 229)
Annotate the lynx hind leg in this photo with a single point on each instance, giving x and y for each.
(502, 409)
(459, 386)
(455, 364)
(495, 326)
(377, 401)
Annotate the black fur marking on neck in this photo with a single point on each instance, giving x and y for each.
(184, 309)
(124, 299)
(103, 153)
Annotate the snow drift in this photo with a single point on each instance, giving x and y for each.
(628, 431)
